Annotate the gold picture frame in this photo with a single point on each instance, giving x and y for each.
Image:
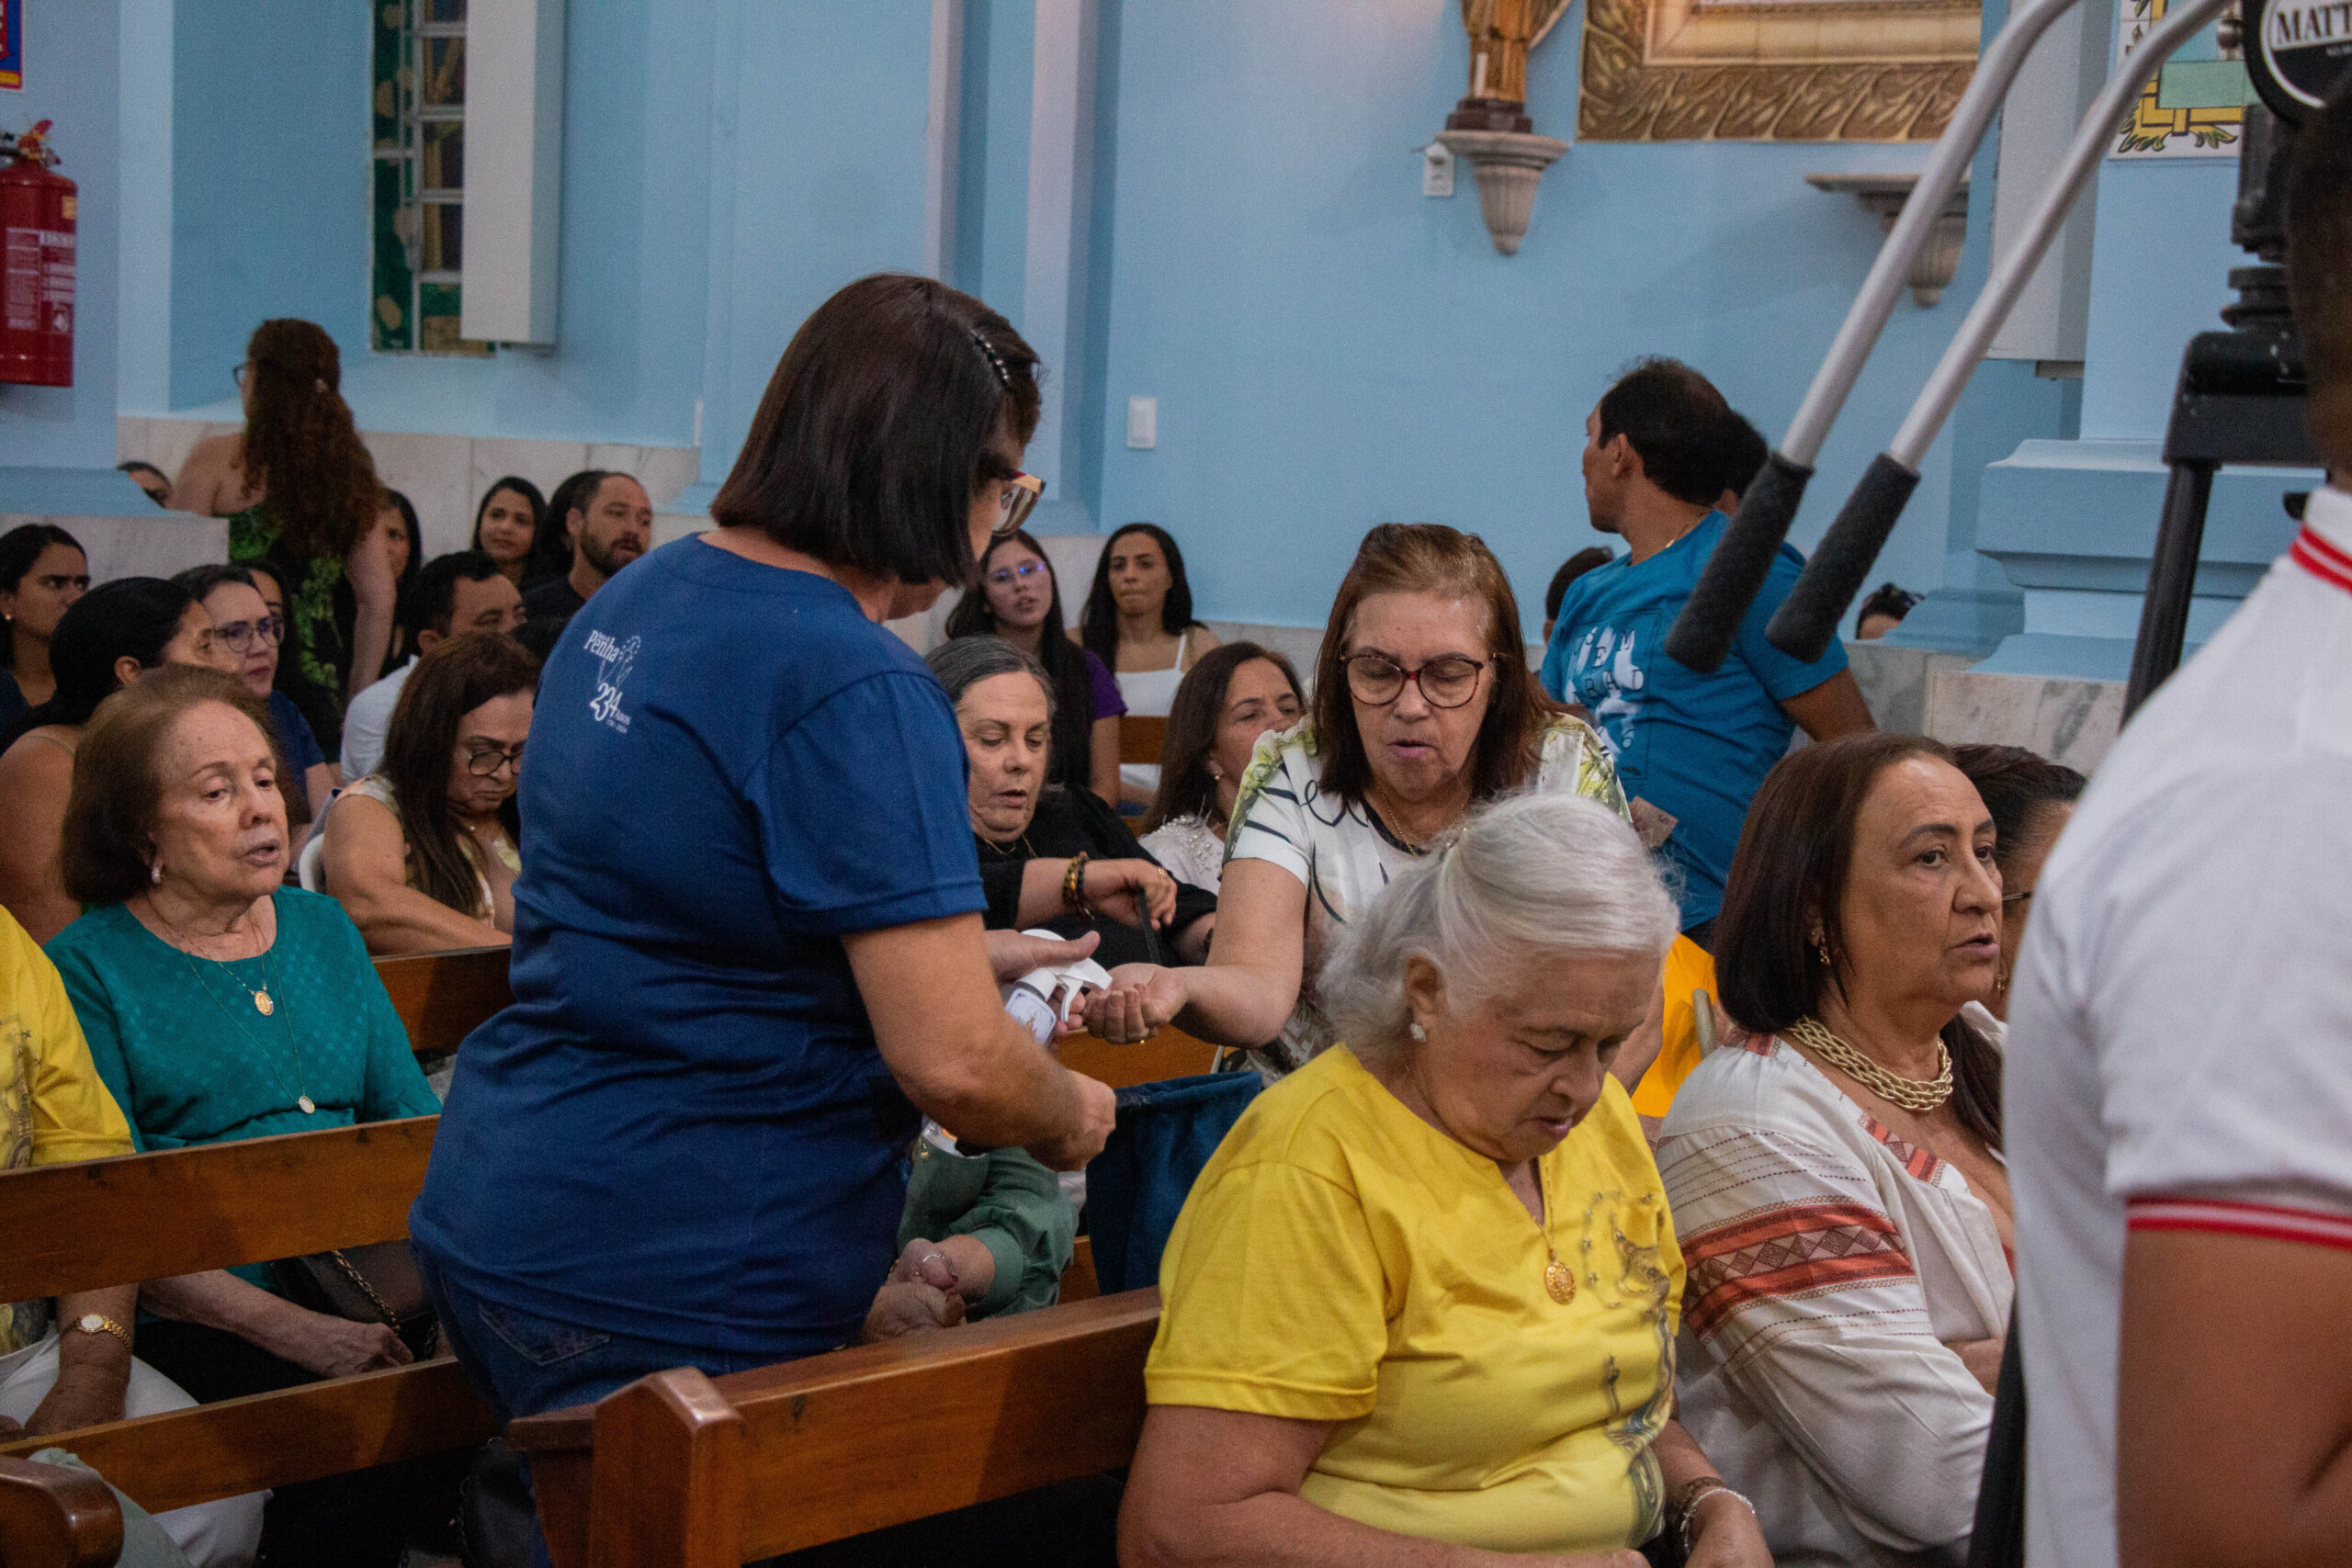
(1774, 70)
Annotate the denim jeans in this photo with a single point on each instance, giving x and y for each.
(524, 1364)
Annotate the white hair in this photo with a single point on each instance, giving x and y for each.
(1528, 876)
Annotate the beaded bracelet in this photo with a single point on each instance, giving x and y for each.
(1696, 1491)
(1074, 886)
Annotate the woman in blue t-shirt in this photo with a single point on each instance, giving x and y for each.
(748, 949)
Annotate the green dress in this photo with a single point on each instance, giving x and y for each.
(1011, 1204)
(190, 1058)
(314, 666)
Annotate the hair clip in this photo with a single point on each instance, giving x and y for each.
(996, 360)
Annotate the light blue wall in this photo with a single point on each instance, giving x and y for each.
(270, 218)
(1331, 349)
(2073, 522)
(57, 442)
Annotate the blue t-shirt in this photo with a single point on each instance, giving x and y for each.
(683, 1128)
(295, 738)
(1695, 746)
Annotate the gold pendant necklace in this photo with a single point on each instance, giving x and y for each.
(1559, 1280)
(264, 1003)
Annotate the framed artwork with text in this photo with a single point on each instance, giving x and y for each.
(1774, 70)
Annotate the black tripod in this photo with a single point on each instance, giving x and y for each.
(2239, 400)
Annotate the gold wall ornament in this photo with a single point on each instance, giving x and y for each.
(1490, 129)
(1774, 70)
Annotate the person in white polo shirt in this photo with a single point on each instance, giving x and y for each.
(464, 591)
(2179, 1062)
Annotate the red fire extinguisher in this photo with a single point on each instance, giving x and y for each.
(37, 210)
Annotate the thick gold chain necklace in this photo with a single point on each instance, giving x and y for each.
(1912, 1094)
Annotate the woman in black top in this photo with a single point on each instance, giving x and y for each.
(1055, 856)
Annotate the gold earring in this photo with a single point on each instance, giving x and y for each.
(2001, 980)
(1820, 949)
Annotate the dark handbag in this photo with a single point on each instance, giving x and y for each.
(1137, 1186)
(378, 1284)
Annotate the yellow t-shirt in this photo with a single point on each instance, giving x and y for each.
(53, 1108)
(1341, 1260)
(1688, 969)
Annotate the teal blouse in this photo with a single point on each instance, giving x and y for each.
(191, 1060)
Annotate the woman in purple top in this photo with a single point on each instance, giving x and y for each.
(1020, 600)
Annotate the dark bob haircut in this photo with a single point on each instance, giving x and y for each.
(1788, 879)
(1677, 424)
(109, 837)
(879, 426)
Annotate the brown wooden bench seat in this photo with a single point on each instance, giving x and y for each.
(684, 1470)
(65, 1228)
(1141, 738)
(74, 1227)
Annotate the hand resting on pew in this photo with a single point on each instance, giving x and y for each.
(330, 1346)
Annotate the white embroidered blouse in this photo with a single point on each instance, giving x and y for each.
(1831, 1267)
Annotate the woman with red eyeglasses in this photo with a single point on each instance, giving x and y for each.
(1424, 708)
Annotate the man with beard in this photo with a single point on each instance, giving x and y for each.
(609, 519)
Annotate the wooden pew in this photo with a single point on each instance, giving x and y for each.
(684, 1470)
(1140, 739)
(1169, 1054)
(443, 997)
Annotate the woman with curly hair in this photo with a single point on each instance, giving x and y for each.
(300, 494)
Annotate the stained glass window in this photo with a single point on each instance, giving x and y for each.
(420, 173)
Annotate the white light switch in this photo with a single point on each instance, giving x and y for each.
(1143, 424)
(1436, 169)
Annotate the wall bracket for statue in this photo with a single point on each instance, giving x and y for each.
(1774, 70)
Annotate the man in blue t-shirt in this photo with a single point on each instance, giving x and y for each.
(1660, 452)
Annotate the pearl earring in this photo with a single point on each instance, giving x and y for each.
(155, 873)
(1416, 1030)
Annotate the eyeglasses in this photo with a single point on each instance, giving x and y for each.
(237, 373)
(1019, 499)
(240, 635)
(2017, 897)
(1006, 576)
(484, 762)
(1448, 680)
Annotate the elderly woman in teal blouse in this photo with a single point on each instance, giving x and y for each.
(221, 1005)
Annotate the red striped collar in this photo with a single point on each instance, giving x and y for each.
(2322, 558)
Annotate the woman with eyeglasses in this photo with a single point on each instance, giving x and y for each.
(42, 571)
(422, 852)
(1020, 600)
(302, 496)
(1424, 708)
(749, 951)
(110, 637)
(248, 633)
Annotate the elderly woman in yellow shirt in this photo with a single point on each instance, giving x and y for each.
(1421, 1303)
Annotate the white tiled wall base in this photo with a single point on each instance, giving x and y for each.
(444, 477)
(156, 545)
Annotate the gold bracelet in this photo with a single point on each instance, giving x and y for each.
(1074, 886)
(98, 1323)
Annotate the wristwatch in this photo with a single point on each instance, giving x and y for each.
(98, 1323)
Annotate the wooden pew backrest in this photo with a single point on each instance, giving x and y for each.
(1140, 739)
(1168, 1054)
(275, 1439)
(444, 996)
(117, 1221)
(690, 1472)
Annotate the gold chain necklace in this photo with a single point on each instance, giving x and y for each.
(263, 1004)
(1559, 1280)
(1912, 1094)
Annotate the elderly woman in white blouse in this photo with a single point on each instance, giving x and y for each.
(1836, 1176)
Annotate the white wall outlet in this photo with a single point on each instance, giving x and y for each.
(1436, 169)
(1143, 424)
